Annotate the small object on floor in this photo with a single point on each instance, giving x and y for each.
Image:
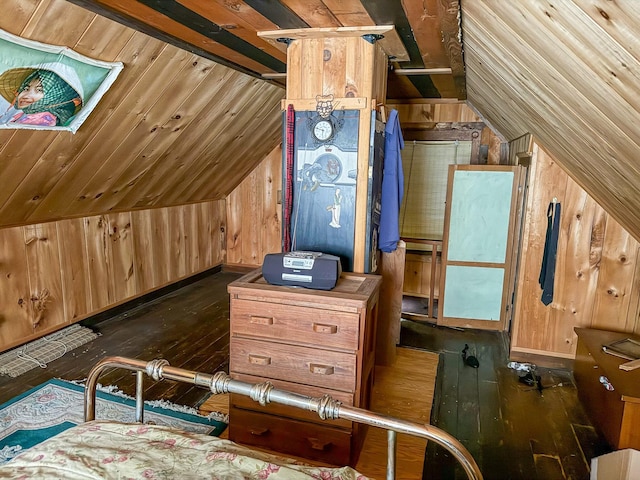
(527, 374)
(521, 367)
(469, 359)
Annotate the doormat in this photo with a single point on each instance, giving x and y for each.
(44, 350)
(57, 405)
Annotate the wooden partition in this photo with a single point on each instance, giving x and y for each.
(57, 273)
(597, 273)
(254, 214)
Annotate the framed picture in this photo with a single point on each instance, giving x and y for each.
(49, 87)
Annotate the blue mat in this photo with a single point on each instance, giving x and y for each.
(57, 405)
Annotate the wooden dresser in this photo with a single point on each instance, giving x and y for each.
(308, 341)
(615, 412)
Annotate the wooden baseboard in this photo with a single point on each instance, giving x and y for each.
(547, 361)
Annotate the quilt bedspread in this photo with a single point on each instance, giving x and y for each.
(109, 450)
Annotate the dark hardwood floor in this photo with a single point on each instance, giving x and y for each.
(513, 430)
(188, 326)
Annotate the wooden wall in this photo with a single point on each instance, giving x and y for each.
(254, 214)
(57, 273)
(425, 114)
(597, 275)
(174, 128)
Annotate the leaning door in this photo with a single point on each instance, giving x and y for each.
(477, 251)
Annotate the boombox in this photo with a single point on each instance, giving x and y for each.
(302, 269)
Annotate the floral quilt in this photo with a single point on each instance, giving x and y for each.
(109, 450)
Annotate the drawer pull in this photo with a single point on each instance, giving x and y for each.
(321, 369)
(322, 328)
(259, 360)
(259, 432)
(317, 444)
(261, 320)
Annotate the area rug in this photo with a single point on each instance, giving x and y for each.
(57, 405)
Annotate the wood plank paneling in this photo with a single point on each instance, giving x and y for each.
(15, 318)
(254, 215)
(595, 272)
(162, 124)
(73, 268)
(43, 270)
(57, 273)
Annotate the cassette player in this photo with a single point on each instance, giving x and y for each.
(302, 269)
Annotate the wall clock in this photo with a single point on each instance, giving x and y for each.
(323, 129)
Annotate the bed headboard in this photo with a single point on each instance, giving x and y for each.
(265, 393)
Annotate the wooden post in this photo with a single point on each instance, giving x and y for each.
(390, 305)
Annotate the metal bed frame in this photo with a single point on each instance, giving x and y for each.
(264, 393)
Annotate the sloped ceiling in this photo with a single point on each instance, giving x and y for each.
(174, 128)
(568, 72)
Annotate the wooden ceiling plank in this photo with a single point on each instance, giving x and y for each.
(147, 20)
(186, 76)
(314, 12)
(177, 161)
(101, 165)
(580, 153)
(349, 12)
(424, 19)
(573, 41)
(46, 19)
(615, 18)
(17, 16)
(104, 39)
(233, 22)
(169, 130)
(449, 14)
(278, 13)
(569, 83)
(137, 56)
(267, 113)
(215, 154)
(177, 12)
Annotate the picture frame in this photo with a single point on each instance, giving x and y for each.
(49, 87)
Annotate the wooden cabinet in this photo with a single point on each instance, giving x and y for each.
(312, 342)
(616, 413)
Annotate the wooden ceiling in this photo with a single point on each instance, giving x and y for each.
(568, 72)
(429, 63)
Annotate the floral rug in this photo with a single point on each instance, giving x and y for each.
(57, 405)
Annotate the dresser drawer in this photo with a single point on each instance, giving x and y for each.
(246, 403)
(604, 407)
(292, 363)
(315, 326)
(308, 440)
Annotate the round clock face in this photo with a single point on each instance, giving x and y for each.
(323, 130)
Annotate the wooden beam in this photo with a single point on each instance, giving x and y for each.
(390, 41)
(449, 13)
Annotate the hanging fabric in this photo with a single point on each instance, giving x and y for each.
(392, 185)
(288, 186)
(547, 270)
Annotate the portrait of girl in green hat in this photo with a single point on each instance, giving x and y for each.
(47, 95)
